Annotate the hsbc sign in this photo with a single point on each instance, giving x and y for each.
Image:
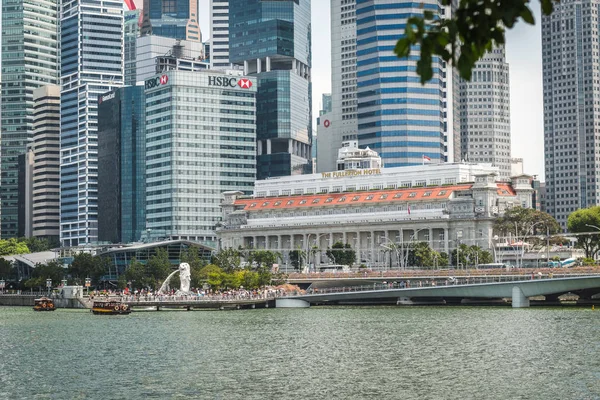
(154, 82)
(226, 81)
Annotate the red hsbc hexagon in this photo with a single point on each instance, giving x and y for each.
(245, 83)
(164, 79)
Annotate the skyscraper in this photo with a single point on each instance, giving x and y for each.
(122, 165)
(571, 98)
(92, 64)
(398, 117)
(341, 123)
(484, 113)
(200, 142)
(29, 60)
(177, 19)
(46, 168)
(272, 40)
(219, 34)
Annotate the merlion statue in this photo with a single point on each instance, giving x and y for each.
(185, 277)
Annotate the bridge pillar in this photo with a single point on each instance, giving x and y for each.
(518, 298)
(291, 303)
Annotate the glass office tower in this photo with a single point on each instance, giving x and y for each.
(29, 60)
(398, 117)
(177, 19)
(272, 41)
(91, 64)
(122, 165)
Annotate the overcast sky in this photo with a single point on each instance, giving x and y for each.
(524, 55)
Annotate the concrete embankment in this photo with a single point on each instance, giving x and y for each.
(27, 301)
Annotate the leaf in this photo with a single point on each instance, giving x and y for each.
(527, 16)
(547, 7)
(402, 48)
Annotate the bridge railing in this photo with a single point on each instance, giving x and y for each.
(425, 282)
(15, 293)
(194, 298)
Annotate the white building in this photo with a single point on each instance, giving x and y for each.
(340, 124)
(484, 112)
(200, 142)
(150, 47)
(350, 157)
(219, 34)
(373, 210)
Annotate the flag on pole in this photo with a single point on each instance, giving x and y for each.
(426, 159)
(408, 209)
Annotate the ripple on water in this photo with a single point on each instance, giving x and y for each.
(317, 353)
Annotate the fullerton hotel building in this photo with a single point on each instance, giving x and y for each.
(373, 209)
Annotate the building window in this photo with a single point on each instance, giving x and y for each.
(266, 203)
(329, 200)
(426, 194)
(383, 197)
(342, 199)
(252, 205)
(315, 201)
(355, 198)
(397, 195)
(412, 194)
(290, 202)
(442, 193)
(277, 203)
(369, 197)
(302, 202)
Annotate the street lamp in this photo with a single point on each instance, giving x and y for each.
(49, 284)
(2, 285)
(458, 237)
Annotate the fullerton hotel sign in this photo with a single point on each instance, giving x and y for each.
(351, 172)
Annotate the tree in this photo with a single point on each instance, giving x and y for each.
(263, 259)
(51, 270)
(136, 274)
(6, 269)
(297, 258)
(227, 259)
(423, 254)
(12, 246)
(342, 254)
(36, 244)
(474, 28)
(582, 221)
(159, 267)
(521, 223)
(85, 265)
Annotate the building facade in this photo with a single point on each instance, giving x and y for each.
(342, 119)
(30, 59)
(132, 32)
(176, 19)
(92, 39)
(272, 41)
(484, 112)
(571, 118)
(46, 167)
(200, 142)
(122, 165)
(219, 34)
(373, 210)
(149, 48)
(25, 179)
(398, 117)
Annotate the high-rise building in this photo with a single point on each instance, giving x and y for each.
(200, 142)
(30, 59)
(272, 40)
(571, 118)
(400, 118)
(177, 19)
(219, 34)
(326, 103)
(92, 64)
(341, 123)
(25, 185)
(122, 165)
(46, 167)
(484, 113)
(150, 48)
(131, 27)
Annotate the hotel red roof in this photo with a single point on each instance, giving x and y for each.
(351, 198)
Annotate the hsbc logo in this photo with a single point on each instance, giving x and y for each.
(245, 83)
(154, 82)
(225, 81)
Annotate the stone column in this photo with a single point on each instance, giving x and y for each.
(446, 241)
(431, 238)
(388, 253)
(255, 242)
(358, 254)
(518, 298)
(372, 257)
(344, 238)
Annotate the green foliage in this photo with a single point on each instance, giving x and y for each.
(137, 275)
(263, 259)
(36, 245)
(443, 260)
(342, 254)
(471, 256)
(297, 258)
(474, 28)
(584, 220)
(85, 265)
(51, 270)
(159, 267)
(227, 259)
(6, 269)
(588, 261)
(13, 246)
(521, 223)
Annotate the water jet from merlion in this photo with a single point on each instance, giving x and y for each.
(185, 277)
